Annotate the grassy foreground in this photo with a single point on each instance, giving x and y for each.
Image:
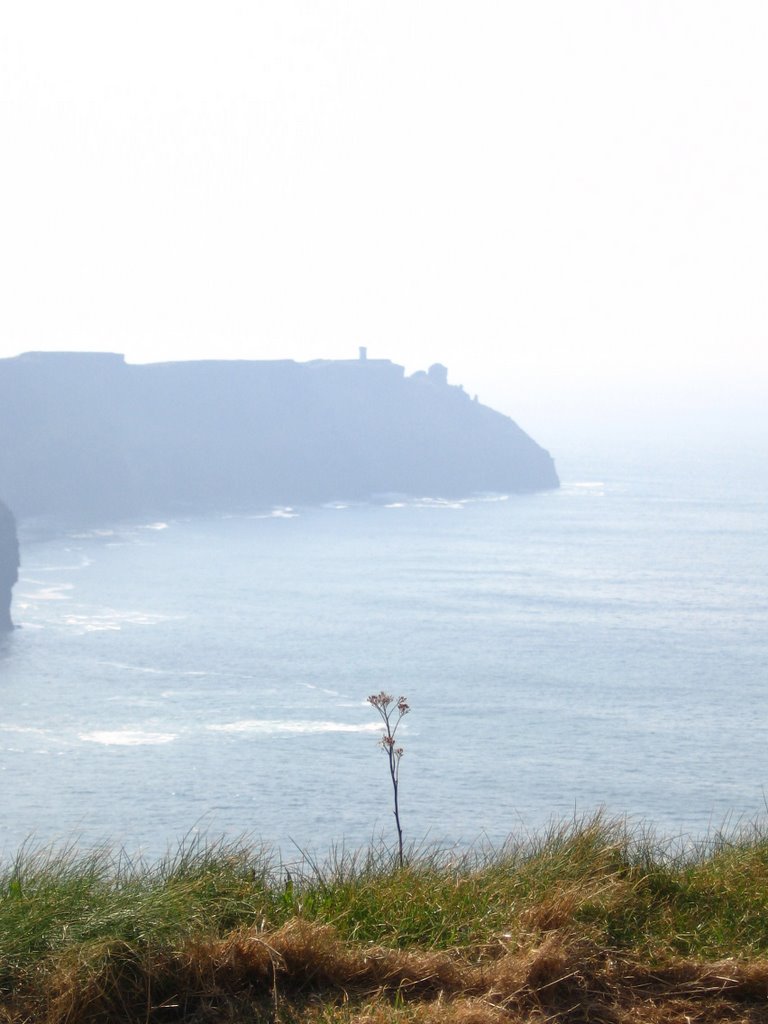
(590, 922)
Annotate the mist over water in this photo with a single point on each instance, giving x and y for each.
(599, 645)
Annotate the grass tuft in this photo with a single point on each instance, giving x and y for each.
(591, 920)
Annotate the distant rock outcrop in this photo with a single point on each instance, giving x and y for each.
(87, 435)
(9, 565)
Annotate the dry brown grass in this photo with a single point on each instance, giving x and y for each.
(305, 972)
(586, 926)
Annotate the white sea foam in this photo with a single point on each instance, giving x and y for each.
(154, 526)
(87, 625)
(270, 725)
(439, 503)
(135, 668)
(111, 619)
(127, 737)
(55, 592)
(91, 534)
(427, 503)
(311, 686)
(151, 671)
(29, 729)
(277, 513)
(83, 564)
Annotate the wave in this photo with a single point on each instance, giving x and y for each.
(280, 512)
(93, 534)
(149, 670)
(428, 503)
(321, 689)
(83, 564)
(270, 725)
(127, 737)
(591, 488)
(456, 504)
(26, 729)
(97, 624)
(47, 591)
(113, 620)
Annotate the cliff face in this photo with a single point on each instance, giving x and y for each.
(88, 435)
(9, 565)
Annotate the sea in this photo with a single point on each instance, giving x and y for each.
(602, 647)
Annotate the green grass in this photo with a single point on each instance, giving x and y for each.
(621, 891)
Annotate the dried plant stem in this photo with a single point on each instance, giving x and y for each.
(394, 771)
(386, 707)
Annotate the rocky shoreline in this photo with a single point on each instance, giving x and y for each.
(9, 565)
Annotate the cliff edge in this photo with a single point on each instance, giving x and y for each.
(9, 565)
(86, 434)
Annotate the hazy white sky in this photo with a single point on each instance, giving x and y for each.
(565, 202)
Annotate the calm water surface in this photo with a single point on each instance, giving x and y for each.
(601, 645)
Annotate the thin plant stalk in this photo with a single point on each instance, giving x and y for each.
(392, 713)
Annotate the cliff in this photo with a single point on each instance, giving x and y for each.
(9, 565)
(85, 434)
